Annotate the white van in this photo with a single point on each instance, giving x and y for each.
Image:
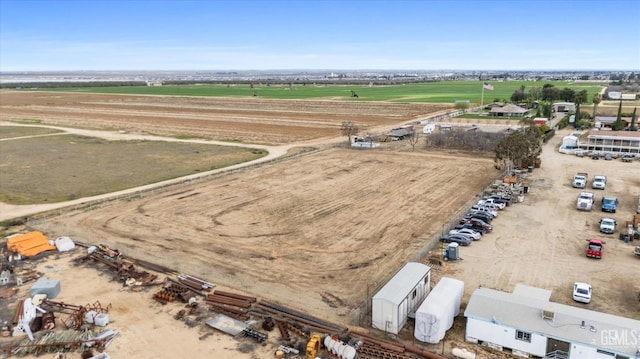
(429, 128)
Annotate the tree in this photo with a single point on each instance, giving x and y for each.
(518, 96)
(581, 97)
(461, 105)
(618, 125)
(550, 93)
(578, 115)
(413, 139)
(546, 110)
(633, 119)
(567, 94)
(521, 146)
(348, 129)
(535, 93)
(596, 101)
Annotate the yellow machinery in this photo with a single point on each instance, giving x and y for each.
(313, 346)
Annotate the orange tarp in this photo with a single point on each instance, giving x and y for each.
(29, 244)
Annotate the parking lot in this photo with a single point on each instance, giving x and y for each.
(541, 241)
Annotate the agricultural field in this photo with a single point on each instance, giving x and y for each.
(433, 92)
(238, 120)
(88, 166)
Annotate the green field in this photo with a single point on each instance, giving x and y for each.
(435, 92)
(48, 169)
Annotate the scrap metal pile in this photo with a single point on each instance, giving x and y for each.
(237, 314)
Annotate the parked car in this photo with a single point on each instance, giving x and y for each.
(608, 157)
(478, 208)
(499, 199)
(456, 238)
(475, 235)
(483, 216)
(582, 292)
(628, 157)
(476, 225)
(595, 157)
(491, 202)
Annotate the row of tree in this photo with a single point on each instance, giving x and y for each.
(548, 93)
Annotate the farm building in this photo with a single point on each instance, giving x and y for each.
(400, 133)
(564, 107)
(436, 314)
(526, 323)
(607, 121)
(509, 110)
(614, 95)
(628, 97)
(400, 296)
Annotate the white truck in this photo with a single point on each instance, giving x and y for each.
(607, 225)
(599, 182)
(585, 201)
(580, 180)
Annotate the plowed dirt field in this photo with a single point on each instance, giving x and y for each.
(247, 120)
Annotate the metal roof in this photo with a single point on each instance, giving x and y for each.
(509, 108)
(523, 311)
(403, 282)
(609, 134)
(399, 132)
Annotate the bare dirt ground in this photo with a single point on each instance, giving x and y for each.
(333, 224)
(247, 120)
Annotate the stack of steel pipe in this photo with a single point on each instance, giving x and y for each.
(187, 286)
(385, 344)
(235, 295)
(196, 282)
(307, 320)
(373, 351)
(99, 258)
(221, 299)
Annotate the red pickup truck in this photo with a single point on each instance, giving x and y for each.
(595, 248)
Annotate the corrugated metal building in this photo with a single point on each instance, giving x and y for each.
(401, 295)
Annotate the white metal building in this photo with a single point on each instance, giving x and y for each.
(401, 295)
(526, 323)
(564, 107)
(604, 141)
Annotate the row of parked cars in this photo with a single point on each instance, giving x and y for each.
(477, 221)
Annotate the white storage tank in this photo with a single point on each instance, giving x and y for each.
(436, 314)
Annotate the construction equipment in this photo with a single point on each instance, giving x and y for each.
(313, 346)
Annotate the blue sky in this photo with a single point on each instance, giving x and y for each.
(54, 35)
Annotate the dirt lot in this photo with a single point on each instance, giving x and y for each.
(253, 120)
(541, 241)
(319, 232)
(313, 232)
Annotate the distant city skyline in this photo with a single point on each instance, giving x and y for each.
(241, 35)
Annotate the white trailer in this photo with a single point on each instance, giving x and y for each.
(436, 314)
